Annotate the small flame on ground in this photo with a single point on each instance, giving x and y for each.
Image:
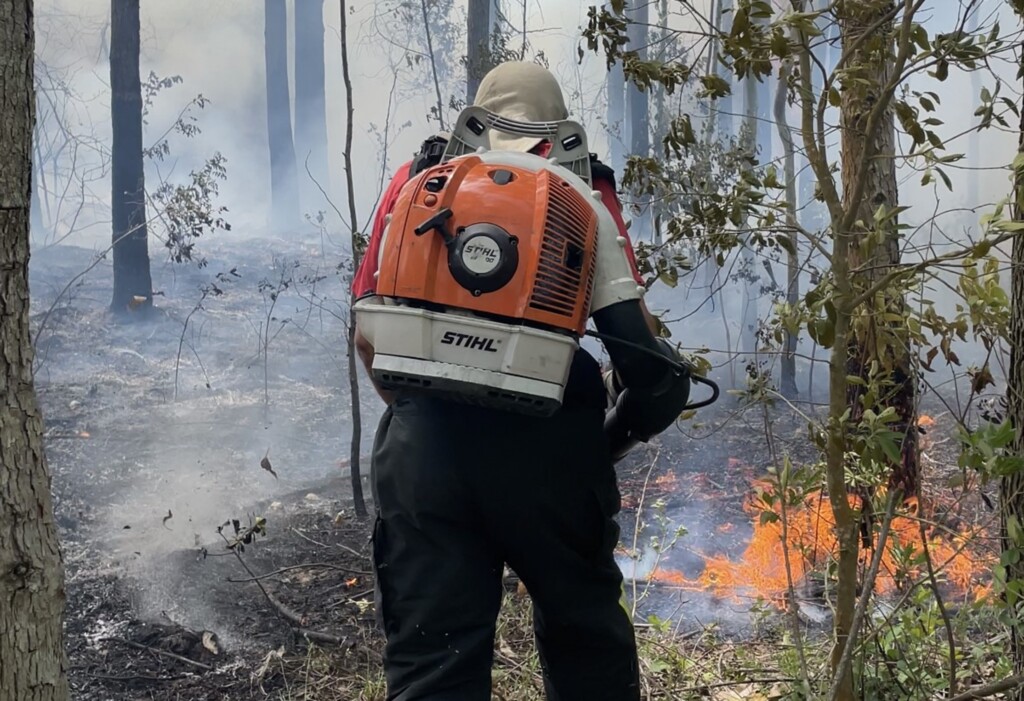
(810, 541)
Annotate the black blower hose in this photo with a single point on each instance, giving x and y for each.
(715, 391)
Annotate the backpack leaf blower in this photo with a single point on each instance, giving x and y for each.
(491, 264)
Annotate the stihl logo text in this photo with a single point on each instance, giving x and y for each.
(465, 340)
(474, 251)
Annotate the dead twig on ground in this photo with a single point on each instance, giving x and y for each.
(986, 690)
(308, 565)
(158, 651)
(344, 547)
(297, 619)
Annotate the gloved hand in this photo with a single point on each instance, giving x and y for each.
(637, 414)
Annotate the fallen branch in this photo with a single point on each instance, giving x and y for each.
(986, 690)
(298, 619)
(325, 545)
(165, 653)
(297, 567)
(293, 616)
(705, 688)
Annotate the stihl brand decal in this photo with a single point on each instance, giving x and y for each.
(488, 253)
(465, 340)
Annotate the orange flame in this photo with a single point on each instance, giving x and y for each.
(810, 541)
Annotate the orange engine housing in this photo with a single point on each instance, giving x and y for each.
(553, 224)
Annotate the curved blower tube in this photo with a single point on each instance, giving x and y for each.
(655, 393)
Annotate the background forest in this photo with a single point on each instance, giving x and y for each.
(825, 197)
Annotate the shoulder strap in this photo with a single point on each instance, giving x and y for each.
(429, 155)
(599, 170)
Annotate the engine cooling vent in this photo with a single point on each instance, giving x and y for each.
(559, 283)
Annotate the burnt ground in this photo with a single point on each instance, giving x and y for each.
(153, 450)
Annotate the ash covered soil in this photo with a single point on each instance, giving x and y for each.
(156, 434)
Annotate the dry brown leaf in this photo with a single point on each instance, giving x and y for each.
(210, 642)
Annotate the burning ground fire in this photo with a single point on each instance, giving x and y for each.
(761, 570)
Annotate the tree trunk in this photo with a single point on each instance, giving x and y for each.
(310, 103)
(880, 190)
(1011, 493)
(724, 125)
(974, 137)
(616, 118)
(639, 111)
(478, 45)
(662, 119)
(32, 662)
(812, 211)
(868, 183)
(748, 315)
(788, 369)
(133, 286)
(354, 238)
(284, 186)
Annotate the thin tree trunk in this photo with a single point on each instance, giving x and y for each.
(639, 112)
(1011, 491)
(974, 138)
(32, 662)
(724, 123)
(788, 370)
(284, 185)
(433, 64)
(748, 315)
(36, 226)
(662, 118)
(310, 102)
(353, 376)
(723, 129)
(616, 117)
(478, 45)
(133, 286)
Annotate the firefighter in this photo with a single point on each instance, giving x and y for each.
(460, 491)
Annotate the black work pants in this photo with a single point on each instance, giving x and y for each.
(460, 491)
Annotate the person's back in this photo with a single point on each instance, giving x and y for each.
(461, 490)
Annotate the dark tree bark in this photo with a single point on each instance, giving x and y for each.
(868, 167)
(32, 663)
(310, 102)
(133, 286)
(356, 244)
(284, 185)
(478, 45)
(880, 189)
